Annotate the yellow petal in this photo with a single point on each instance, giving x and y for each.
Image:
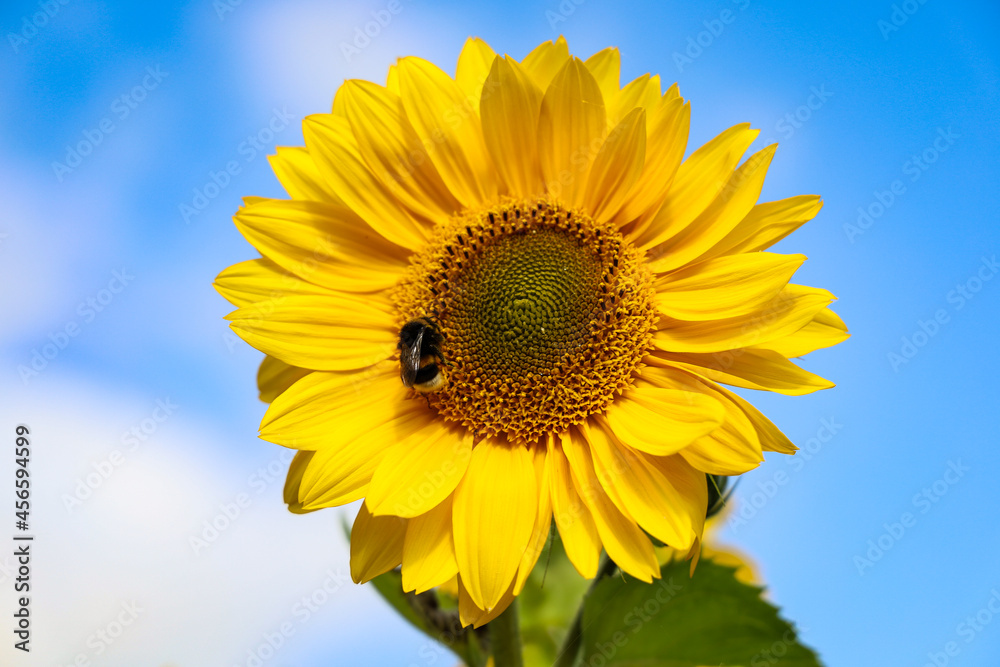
(726, 286)
(339, 108)
(698, 181)
(545, 61)
(543, 521)
(736, 559)
(429, 549)
(571, 128)
(449, 589)
(376, 545)
(275, 376)
(770, 436)
(616, 167)
(341, 473)
(448, 125)
(418, 473)
(824, 330)
(731, 449)
(736, 200)
(662, 421)
(474, 64)
(606, 67)
(510, 108)
(768, 223)
(495, 509)
(302, 416)
(470, 614)
(250, 201)
(688, 481)
(752, 369)
(632, 96)
(576, 525)
(326, 244)
(333, 146)
(391, 80)
(625, 543)
(300, 176)
(792, 309)
(393, 150)
(646, 494)
(666, 138)
(336, 332)
(257, 280)
(694, 555)
(293, 481)
(673, 92)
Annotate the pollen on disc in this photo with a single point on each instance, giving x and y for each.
(544, 316)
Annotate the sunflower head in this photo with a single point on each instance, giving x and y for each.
(544, 315)
(589, 291)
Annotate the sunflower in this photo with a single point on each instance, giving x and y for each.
(589, 290)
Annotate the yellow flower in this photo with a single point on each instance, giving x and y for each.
(589, 290)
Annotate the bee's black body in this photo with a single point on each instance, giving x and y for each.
(420, 355)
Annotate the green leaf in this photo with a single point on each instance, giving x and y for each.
(681, 621)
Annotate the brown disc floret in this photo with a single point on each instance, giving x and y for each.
(544, 316)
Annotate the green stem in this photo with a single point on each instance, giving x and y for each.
(505, 638)
(571, 645)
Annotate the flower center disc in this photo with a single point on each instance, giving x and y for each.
(544, 315)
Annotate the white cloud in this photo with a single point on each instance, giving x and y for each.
(296, 54)
(121, 562)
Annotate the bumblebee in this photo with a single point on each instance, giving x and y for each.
(420, 356)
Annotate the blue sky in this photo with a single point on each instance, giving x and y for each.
(888, 110)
